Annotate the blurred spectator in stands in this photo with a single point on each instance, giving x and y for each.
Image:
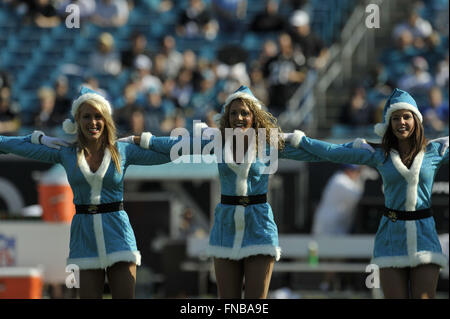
(417, 80)
(196, 21)
(92, 83)
(258, 84)
(312, 47)
(125, 107)
(138, 47)
(419, 28)
(442, 73)
(173, 58)
(143, 76)
(268, 51)
(159, 5)
(43, 13)
(284, 72)
(335, 213)
(398, 58)
(204, 99)
(63, 101)
(5, 78)
(9, 113)
(184, 88)
(435, 114)
(357, 111)
(47, 117)
(269, 20)
(230, 14)
(110, 13)
(86, 8)
(137, 122)
(156, 110)
(105, 60)
(297, 4)
(434, 50)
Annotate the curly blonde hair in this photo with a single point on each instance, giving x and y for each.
(261, 119)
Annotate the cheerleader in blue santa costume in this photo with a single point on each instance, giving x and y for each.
(244, 237)
(407, 248)
(101, 238)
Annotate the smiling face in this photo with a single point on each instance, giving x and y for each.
(91, 122)
(403, 124)
(240, 115)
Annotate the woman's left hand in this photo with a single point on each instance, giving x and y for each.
(128, 139)
(362, 143)
(443, 141)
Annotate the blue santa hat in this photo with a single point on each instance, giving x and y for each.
(399, 100)
(69, 125)
(242, 93)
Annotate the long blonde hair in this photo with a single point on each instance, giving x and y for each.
(261, 119)
(108, 138)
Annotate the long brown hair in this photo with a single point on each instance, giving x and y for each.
(417, 140)
(261, 119)
(108, 138)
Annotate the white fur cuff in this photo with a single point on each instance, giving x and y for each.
(145, 140)
(36, 136)
(297, 138)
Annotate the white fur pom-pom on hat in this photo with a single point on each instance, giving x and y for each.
(69, 127)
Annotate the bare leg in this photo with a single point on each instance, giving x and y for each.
(258, 272)
(394, 282)
(122, 280)
(92, 283)
(229, 275)
(424, 280)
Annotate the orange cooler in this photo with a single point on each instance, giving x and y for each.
(55, 196)
(20, 283)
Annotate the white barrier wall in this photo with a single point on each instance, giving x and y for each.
(36, 244)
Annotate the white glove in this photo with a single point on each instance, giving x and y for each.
(128, 139)
(39, 137)
(443, 141)
(362, 144)
(53, 142)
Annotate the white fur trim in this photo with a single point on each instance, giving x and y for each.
(224, 252)
(89, 96)
(296, 138)
(69, 127)
(111, 259)
(95, 180)
(239, 226)
(419, 258)
(100, 240)
(380, 128)
(411, 176)
(241, 95)
(145, 140)
(35, 136)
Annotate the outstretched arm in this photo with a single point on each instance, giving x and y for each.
(23, 146)
(338, 153)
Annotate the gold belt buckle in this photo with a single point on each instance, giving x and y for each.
(392, 216)
(244, 201)
(92, 209)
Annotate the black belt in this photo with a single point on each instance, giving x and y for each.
(99, 209)
(244, 200)
(395, 215)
